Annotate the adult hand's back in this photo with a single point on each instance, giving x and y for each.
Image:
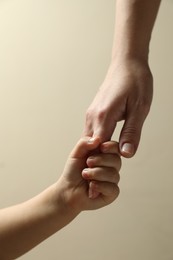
(125, 94)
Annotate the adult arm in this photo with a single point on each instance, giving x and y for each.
(126, 92)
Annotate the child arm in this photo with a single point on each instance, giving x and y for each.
(24, 226)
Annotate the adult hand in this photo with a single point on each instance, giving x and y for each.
(126, 94)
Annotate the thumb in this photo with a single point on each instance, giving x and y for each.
(130, 135)
(84, 146)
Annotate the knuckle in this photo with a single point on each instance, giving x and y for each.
(117, 191)
(89, 116)
(101, 115)
(88, 113)
(118, 162)
(129, 130)
(111, 190)
(131, 134)
(114, 191)
(115, 177)
(143, 106)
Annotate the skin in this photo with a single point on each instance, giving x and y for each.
(127, 90)
(125, 94)
(26, 225)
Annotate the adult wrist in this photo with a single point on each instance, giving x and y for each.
(129, 61)
(128, 52)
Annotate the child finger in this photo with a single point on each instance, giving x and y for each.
(104, 160)
(110, 147)
(84, 146)
(104, 174)
(106, 189)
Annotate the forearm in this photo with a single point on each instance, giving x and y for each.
(24, 226)
(133, 27)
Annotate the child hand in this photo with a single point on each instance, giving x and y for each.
(100, 173)
(110, 147)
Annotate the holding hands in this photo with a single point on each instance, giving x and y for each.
(88, 182)
(126, 94)
(91, 181)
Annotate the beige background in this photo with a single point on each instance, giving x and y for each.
(53, 57)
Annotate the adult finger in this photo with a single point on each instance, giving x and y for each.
(99, 124)
(130, 134)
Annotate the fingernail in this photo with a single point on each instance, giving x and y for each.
(91, 158)
(85, 173)
(91, 140)
(128, 148)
